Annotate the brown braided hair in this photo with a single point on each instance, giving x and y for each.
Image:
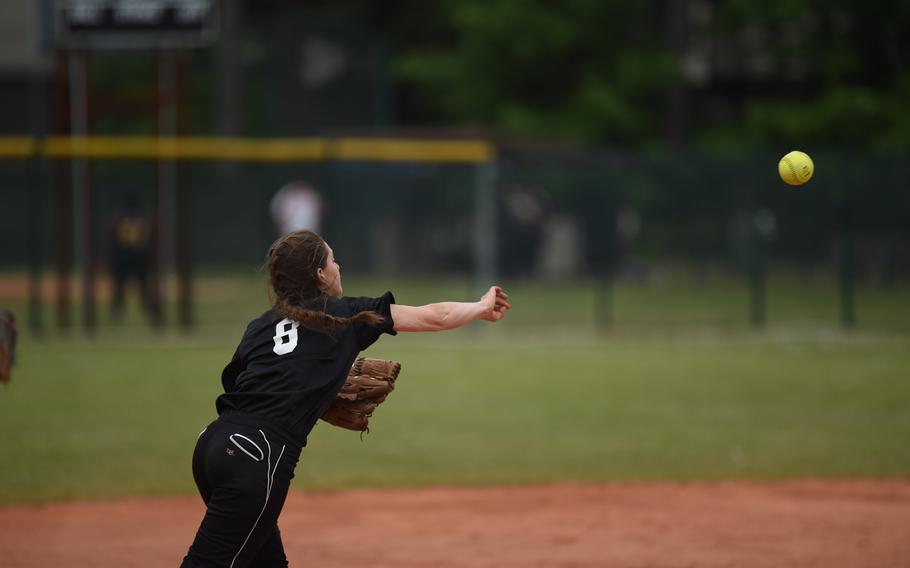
(292, 261)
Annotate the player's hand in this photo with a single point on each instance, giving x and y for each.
(494, 304)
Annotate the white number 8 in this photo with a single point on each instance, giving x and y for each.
(285, 336)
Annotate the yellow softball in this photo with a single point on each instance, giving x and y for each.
(796, 168)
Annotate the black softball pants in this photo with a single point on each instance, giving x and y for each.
(243, 474)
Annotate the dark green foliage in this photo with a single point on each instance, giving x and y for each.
(746, 71)
(717, 73)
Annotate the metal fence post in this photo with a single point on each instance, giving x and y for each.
(486, 246)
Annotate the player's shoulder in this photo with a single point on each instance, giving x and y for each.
(265, 321)
(343, 306)
(266, 318)
(380, 304)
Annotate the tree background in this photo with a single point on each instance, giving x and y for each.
(706, 72)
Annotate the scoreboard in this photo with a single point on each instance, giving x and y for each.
(135, 24)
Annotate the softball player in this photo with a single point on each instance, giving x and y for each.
(283, 376)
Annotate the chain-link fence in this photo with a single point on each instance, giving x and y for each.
(639, 221)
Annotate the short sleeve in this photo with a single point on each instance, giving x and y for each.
(368, 334)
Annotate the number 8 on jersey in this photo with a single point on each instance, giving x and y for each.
(285, 336)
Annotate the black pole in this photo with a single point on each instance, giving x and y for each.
(37, 116)
(182, 201)
(847, 272)
(63, 196)
(89, 311)
(82, 186)
(756, 278)
(35, 320)
(183, 261)
(847, 280)
(603, 300)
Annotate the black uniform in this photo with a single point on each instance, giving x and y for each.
(131, 253)
(281, 379)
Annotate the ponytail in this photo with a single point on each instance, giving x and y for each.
(320, 320)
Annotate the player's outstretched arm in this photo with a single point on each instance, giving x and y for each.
(450, 315)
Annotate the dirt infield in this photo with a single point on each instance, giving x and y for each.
(800, 523)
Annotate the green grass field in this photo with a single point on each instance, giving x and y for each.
(540, 397)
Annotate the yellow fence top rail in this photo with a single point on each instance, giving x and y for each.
(17, 147)
(250, 149)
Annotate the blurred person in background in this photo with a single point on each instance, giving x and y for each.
(525, 212)
(296, 207)
(130, 254)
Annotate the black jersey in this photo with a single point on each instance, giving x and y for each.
(288, 375)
